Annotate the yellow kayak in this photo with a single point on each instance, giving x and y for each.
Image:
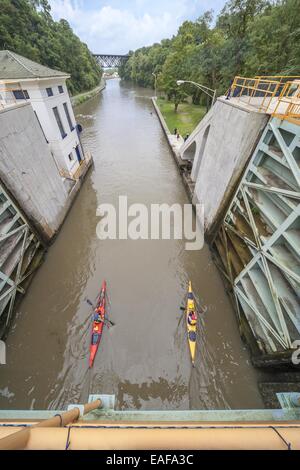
(191, 322)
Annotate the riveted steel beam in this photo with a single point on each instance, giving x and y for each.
(264, 218)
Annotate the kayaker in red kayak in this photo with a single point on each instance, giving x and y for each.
(98, 323)
(97, 317)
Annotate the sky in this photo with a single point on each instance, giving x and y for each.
(117, 26)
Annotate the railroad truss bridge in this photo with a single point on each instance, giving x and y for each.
(111, 60)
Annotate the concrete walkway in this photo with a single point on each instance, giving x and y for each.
(174, 143)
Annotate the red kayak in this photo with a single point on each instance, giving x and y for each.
(98, 323)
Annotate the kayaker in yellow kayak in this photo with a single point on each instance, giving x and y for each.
(191, 322)
(192, 318)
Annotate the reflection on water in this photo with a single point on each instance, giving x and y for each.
(138, 395)
(144, 359)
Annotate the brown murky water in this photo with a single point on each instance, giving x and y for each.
(144, 358)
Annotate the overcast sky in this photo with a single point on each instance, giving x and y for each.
(117, 26)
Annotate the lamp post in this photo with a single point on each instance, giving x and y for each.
(155, 78)
(209, 91)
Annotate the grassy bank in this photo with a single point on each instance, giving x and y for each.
(186, 118)
(82, 97)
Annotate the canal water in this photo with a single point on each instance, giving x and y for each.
(143, 359)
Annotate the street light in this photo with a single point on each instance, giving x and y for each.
(209, 91)
(155, 76)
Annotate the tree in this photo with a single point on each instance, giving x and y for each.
(274, 41)
(250, 37)
(237, 14)
(234, 20)
(27, 28)
(172, 71)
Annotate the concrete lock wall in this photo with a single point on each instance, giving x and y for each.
(28, 170)
(224, 140)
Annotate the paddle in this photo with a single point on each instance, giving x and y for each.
(107, 298)
(106, 320)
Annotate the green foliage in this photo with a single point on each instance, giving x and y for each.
(27, 28)
(274, 41)
(249, 37)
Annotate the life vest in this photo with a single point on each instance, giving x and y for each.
(192, 318)
(97, 318)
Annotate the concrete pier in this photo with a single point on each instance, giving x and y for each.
(34, 201)
(174, 143)
(220, 147)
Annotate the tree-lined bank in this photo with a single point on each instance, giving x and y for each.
(249, 37)
(27, 28)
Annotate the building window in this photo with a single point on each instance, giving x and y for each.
(59, 123)
(71, 158)
(49, 91)
(78, 154)
(60, 89)
(21, 94)
(68, 116)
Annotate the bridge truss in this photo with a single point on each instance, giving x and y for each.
(111, 60)
(259, 240)
(21, 252)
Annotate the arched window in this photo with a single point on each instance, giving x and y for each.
(190, 152)
(198, 161)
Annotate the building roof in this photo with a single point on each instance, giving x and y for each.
(14, 66)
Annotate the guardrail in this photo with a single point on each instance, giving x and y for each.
(255, 91)
(19, 439)
(276, 95)
(288, 104)
(279, 78)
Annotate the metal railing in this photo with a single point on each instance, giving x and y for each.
(282, 79)
(7, 97)
(288, 103)
(277, 95)
(19, 439)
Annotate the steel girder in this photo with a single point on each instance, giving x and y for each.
(259, 239)
(111, 60)
(20, 254)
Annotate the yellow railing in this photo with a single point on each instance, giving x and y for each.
(276, 95)
(288, 103)
(257, 92)
(279, 78)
